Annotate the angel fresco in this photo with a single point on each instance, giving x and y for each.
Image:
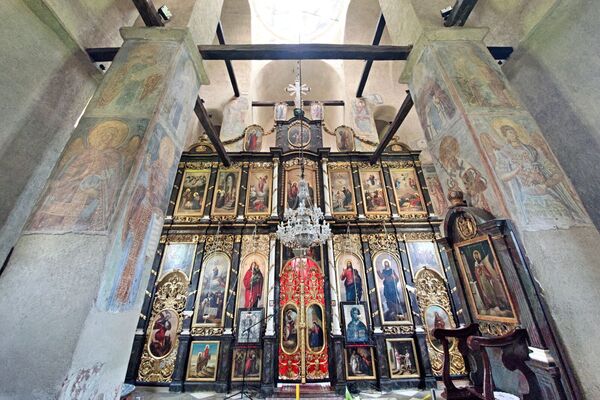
(524, 164)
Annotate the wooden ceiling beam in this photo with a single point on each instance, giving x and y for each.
(326, 103)
(400, 117)
(228, 65)
(296, 52)
(369, 63)
(211, 132)
(460, 12)
(148, 13)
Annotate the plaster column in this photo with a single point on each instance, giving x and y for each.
(270, 331)
(486, 144)
(72, 287)
(335, 309)
(326, 189)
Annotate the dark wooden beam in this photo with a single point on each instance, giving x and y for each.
(308, 51)
(326, 103)
(369, 63)
(400, 117)
(351, 52)
(148, 12)
(228, 65)
(460, 12)
(212, 134)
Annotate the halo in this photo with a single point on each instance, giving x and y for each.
(498, 123)
(117, 130)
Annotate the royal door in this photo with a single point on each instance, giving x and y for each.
(302, 336)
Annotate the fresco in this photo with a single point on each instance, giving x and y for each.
(539, 195)
(82, 193)
(436, 192)
(234, 121)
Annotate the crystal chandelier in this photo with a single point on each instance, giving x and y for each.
(305, 226)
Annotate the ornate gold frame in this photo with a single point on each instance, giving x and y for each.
(238, 173)
(360, 270)
(298, 328)
(188, 272)
(309, 168)
(379, 287)
(198, 291)
(361, 175)
(323, 327)
(414, 349)
(149, 336)
(247, 379)
(267, 212)
(195, 213)
(453, 343)
(336, 168)
(189, 363)
(246, 132)
(464, 269)
(335, 132)
(363, 378)
(409, 214)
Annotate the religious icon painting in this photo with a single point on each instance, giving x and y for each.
(315, 328)
(356, 322)
(258, 197)
(484, 282)
(353, 284)
(436, 317)
(341, 190)
(299, 134)
(313, 253)
(247, 364)
(253, 135)
(250, 324)
(289, 328)
(280, 111)
(316, 111)
(203, 361)
(373, 191)
(226, 192)
(391, 290)
(402, 358)
(360, 363)
(163, 333)
(344, 138)
(423, 254)
(252, 287)
(407, 190)
(192, 194)
(177, 256)
(292, 177)
(212, 290)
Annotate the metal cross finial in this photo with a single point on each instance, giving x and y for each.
(297, 89)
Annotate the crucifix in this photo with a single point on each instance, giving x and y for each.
(297, 89)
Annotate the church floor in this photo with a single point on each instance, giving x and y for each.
(153, 394)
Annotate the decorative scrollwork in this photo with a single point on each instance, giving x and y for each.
(222, 243)
(171, 292)
(495, 328)
(383, 241)
(293, 162)
(333, 166)
(420, 236)
(206, 331)
(399, 330)
(186, 218)
(431, 290)
(255, 243)
(398, 164)
(466, 226)
(346, 244)
(265, 164)
(178, 238)
(198, 164)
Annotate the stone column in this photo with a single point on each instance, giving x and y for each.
(72, 288)
(485, 143)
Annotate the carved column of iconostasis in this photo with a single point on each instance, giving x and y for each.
(324, 154)
(275, 192)
(269, 340)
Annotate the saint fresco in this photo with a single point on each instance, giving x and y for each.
(177, 256)
(408, 191)
(252, 287)
(192, 195)
(423, 254)
(163, 333)
(485, 285)
(226, 192)
(247, 365)
(391, 291)
(342, 192)
(258, 196)
(353, 284)
(436, 192)
(203, 361)
(212, 290)
(373, 191)
(402, 358)
(292, 177)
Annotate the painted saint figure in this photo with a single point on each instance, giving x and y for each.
(253, 283)
(356, 331)
(352, 283)
(390, 292)
(489, 283)
(315, 336)
(161, 344)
